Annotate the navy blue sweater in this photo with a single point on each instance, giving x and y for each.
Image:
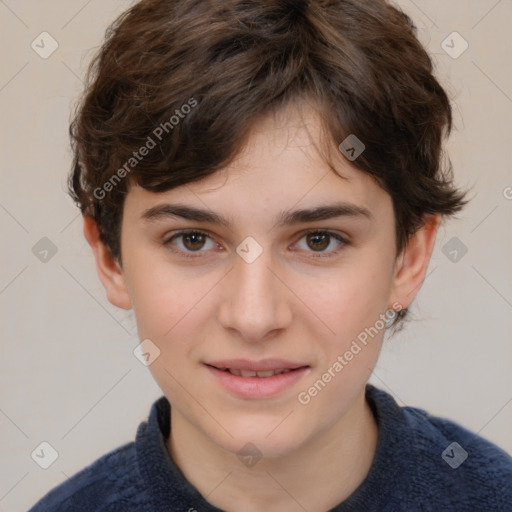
(423, 463)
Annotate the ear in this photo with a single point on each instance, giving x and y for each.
(412, 264)
(109, 270)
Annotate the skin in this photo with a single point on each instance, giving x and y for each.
(288, 303)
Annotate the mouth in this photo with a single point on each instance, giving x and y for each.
(252, 373)
(257, 379)
(263, 368)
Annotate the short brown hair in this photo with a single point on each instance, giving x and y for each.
(230, 62)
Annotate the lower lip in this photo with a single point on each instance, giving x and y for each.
(257, 387)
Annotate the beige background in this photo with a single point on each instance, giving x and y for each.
(68, 375)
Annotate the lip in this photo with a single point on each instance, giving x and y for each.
(258, 387)
(256, 366)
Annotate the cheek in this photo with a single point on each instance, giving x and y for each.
(351, 305)
(163, 296)
(167, 305)
(348, 299)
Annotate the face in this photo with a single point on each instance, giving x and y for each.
(264, 284)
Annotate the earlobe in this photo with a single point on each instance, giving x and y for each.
(109, 270)
(412, 264)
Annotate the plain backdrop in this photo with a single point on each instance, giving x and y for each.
(68, 374)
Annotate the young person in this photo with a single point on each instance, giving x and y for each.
(261, 182)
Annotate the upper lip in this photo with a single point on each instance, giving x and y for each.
(256, 366)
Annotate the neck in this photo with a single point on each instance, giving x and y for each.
(333, 465)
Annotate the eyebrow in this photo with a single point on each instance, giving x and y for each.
(285, 218)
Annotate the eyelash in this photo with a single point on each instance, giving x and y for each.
(196, 254)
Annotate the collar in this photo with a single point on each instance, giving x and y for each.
(168, 489)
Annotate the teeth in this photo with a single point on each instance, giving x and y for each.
(251, 373)
(269, 373)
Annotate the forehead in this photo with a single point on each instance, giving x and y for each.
(283, 164)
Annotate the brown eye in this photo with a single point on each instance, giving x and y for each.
(319, 241)
(191, 242)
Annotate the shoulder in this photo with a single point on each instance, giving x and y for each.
(466, 465)
(462, 447)
(445, 462)
(111, 483)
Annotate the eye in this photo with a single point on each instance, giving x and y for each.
(320, 240)
(191, 242)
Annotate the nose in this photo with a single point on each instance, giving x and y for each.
(255, 299)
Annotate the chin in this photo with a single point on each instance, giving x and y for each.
(265, 442)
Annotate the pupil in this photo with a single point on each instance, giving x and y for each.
(321, 241)
(195, 243)
(325, 240)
